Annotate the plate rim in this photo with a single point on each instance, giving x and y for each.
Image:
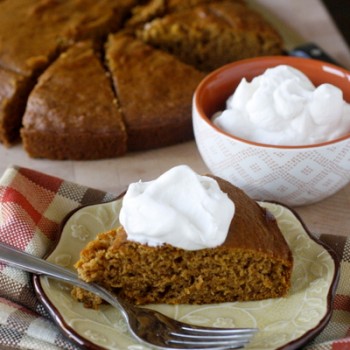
(71, 333)
(313, 332)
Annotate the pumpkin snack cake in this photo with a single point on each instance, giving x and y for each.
(188, 239)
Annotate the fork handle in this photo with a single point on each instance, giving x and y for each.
(33, 264)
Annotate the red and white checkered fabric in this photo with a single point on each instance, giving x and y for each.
(33, 204)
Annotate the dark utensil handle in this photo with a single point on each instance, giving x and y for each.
(311, 50)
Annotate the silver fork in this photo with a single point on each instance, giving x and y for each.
(147, 326)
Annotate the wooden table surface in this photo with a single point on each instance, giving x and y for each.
(298, 21)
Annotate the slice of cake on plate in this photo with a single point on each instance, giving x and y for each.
(72, 112)
(188, 239)
(155, 92)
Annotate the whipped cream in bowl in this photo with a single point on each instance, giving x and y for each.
(180, 208)
(283, 107)
(281, 127)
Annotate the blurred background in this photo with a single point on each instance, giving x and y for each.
(340, 11)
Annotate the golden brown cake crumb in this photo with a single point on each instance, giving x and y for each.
(253, 263)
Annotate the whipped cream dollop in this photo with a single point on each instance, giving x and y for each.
(180, 207)
(283, 107)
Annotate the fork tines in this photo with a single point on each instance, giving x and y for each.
(213, 338)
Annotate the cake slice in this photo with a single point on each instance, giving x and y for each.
(72, 112)
(210, 35)
(253, 263)
(155, 92)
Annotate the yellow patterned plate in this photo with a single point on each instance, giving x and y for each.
(285, 323)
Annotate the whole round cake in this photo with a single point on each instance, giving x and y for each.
(85, 79)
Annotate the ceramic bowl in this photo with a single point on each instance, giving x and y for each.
(293, 175)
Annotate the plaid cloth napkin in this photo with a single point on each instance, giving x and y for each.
(32, 205)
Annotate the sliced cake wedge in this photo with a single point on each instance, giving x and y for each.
(155, 91)
(72, 112)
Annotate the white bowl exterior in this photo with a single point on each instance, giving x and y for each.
(291, 176)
